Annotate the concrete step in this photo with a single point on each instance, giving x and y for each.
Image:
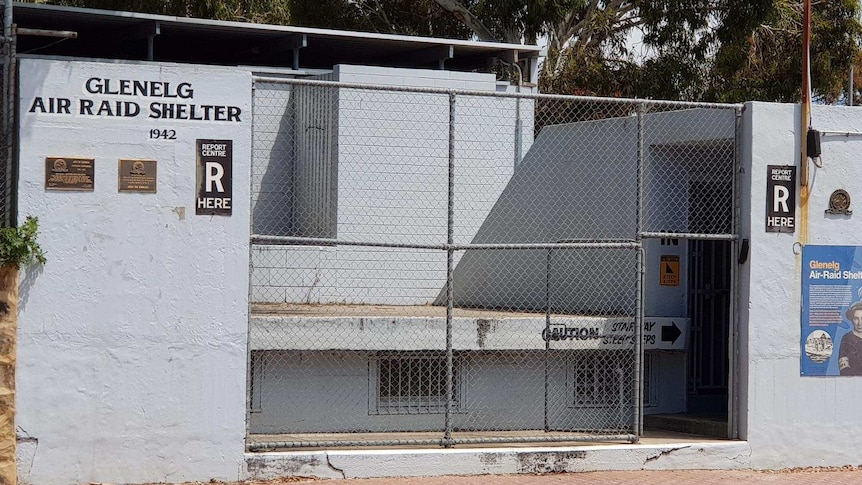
(697, 424)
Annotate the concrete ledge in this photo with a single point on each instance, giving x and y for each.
(376, 333)
(730, 455)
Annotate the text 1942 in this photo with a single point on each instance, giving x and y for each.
(157, 134)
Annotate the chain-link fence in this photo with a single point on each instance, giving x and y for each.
(446, 267)
(7, 119)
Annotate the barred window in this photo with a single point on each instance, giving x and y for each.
(412, 384)
(598, 379)
(256, 369)
(650, 380)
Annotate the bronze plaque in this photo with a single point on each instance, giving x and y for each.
(69, 173)
(137, 176)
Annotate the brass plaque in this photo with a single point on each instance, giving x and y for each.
(137, 176)
(69, 173)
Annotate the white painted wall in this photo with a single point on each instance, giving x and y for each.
(500, 390)
(391, 150)
(790, 420)
(579, 181)
(502, 363)
(273, 152)
(132, 339)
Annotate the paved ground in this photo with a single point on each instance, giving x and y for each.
(847, 475)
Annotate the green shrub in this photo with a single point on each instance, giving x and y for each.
(18, 246)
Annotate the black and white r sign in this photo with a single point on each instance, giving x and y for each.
(214, 177)
(781, 198)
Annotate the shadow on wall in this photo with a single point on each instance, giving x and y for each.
(28, 280)
(579, 182)
(274, 157)
(296, 190)
(564, 190)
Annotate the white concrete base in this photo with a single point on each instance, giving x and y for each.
(729, 455)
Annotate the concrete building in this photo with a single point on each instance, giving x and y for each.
(248, 266)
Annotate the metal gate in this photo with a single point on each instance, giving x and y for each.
(443, 267)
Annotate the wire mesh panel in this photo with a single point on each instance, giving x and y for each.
(274, 153)
(6, 138)
(576, 179)
(447, 267)
(7, 134)
(561, 364)
(688, 165)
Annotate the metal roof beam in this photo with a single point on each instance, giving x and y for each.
(146, 30)
(513, 57)
(293, 42)
(142, 31)
(63, 34)
(437, 55)
(508, 56)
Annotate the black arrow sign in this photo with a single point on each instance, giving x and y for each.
(669, 333)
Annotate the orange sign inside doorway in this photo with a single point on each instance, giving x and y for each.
(669, 271)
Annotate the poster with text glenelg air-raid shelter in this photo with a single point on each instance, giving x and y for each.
(831, 343)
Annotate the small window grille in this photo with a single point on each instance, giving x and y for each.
(599, 379)
(650, 381)
(258, 361)
(412, 384)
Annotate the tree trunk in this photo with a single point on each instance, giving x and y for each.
(466, 16)
(8, 349)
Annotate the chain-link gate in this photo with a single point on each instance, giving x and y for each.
(450, 267)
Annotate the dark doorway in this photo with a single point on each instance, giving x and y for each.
(709, 309)
(709, 289)
(709, 218)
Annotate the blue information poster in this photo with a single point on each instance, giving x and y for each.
(831, 311)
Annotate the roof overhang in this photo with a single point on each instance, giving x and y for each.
(137, 36)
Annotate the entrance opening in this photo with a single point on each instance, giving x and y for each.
(707, 358)
(709, 290)
(709, 308)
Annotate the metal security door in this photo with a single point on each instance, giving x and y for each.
(709, 303)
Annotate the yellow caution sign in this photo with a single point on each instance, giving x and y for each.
(669, 271)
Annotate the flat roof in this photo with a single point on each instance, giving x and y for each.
(126, 35)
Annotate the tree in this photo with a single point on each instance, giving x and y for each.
(407, 17)
(715, 50)
(765, 63)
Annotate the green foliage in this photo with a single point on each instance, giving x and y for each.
(18, 245)
(406, 17)
(765, 63)
(710, 50)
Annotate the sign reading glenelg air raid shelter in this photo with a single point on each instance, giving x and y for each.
(214, 177)
(781, 198)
